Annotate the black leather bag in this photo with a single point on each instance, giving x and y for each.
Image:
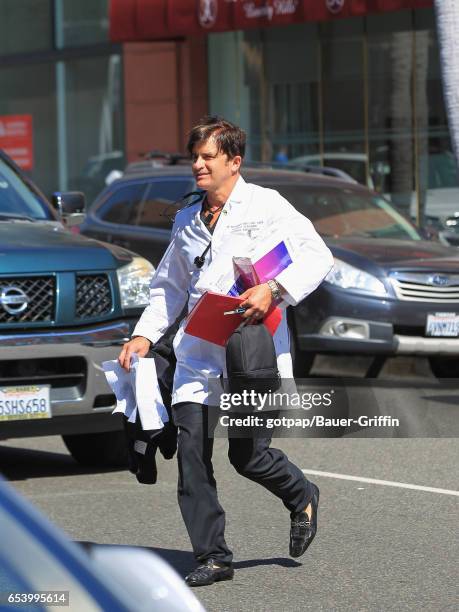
(251, 362)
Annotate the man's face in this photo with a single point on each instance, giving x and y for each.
(211, 168)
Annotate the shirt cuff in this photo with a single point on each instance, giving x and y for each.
(144, 331)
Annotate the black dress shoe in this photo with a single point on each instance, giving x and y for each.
(208, 573)
(303, 529)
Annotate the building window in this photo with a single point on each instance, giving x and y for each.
(81, 22)
(76, 117)
(437, 183)
(342, 83)
(270, 96)
(92, 123)
(362, 94)
(31, 90)
(25, 26)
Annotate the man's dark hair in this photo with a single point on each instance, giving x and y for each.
(229, 138)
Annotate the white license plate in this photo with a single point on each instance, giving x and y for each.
(25, 402)
(443, 324)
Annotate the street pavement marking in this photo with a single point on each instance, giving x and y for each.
(387, 483)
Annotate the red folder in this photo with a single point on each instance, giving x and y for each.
(207, 321)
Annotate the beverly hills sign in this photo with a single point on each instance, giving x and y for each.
(132, 20)
(252, 9)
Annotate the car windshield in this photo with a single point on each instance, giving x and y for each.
(348, 212)
(442, 171)
(353, 166)
(17, 198)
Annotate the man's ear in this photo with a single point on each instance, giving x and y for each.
(236, 163)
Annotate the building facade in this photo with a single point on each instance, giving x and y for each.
(61, 99)
(362, 93)
(350, 83)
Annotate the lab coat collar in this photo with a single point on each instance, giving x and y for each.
(239, 192)
(236, 204)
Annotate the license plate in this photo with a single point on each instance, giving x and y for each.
(25, 402)
(443, 324)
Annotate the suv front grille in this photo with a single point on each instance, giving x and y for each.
(93, 296)
(440, 288)
(55, 371)
(27, 299)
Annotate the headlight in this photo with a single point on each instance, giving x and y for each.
(134, 282)
(347, 277)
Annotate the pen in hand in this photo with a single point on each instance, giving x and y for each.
(239, 310)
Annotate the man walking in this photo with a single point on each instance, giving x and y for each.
(232, 211)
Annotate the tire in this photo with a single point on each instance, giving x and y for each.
(445, 367)
(107, 449)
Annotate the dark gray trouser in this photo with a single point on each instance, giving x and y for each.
(197, 489)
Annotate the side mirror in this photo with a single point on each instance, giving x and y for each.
(68, 202)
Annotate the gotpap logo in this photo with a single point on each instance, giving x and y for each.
(207, 12)
(334, 6)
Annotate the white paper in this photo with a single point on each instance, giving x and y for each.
(135, 390)
(152, 412)
(120, 383)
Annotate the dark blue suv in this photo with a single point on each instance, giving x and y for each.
(67, 303)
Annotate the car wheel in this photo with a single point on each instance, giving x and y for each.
(444, 367)
(98, 449)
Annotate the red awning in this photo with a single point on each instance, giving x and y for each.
(136, 20)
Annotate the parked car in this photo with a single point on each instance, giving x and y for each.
(41, 568)
(352, 164)
(439, 189)
(138, 209)
(442, 187)
(67, 303)
(441, 196)
(391, 292)
(97, 172)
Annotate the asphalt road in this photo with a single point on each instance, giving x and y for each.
(384, 545)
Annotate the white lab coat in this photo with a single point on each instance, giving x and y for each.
(250, 213)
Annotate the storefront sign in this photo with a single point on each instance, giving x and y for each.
(254, 10)
(334, 6)
(132, 20)
(207, 13)
(16, 139)
(260, 13)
